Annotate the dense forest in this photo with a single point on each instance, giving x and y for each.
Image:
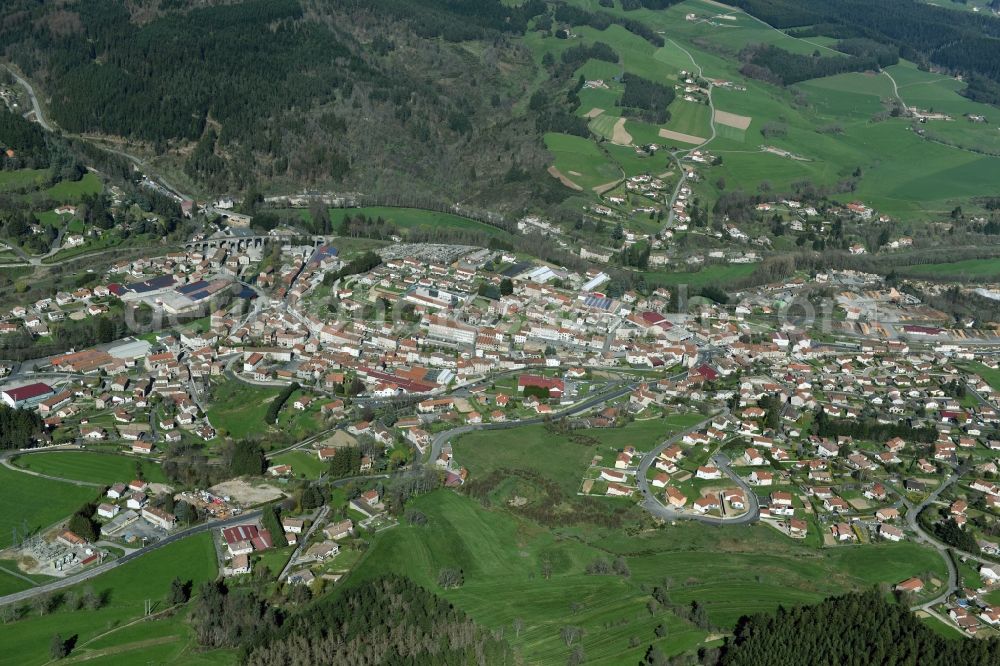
(389, 620)
(964, 42)
(25, 145)
(864, 628)
(648, 99)
(22, 143)
(18, 427)
(347, 93)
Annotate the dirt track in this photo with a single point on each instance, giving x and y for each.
(556, 173)
(679, 136)
(732, 119)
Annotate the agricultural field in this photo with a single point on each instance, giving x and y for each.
(826, 128)
(69, 191)
(110, 629)
(40, 502)
(690, 118)
(732, 572)
(104, 468)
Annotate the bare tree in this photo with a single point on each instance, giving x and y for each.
(518, 625)
(570, 634)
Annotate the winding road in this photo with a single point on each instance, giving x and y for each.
(36, 108)
(912, 519)
(676, 156)
(660, 510)
(443, 438)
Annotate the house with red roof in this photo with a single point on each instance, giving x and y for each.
(26, 396)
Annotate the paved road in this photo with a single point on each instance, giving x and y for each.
(912, 513)
(125, 559)
(35, 106)
(86, 484)
(442, 438)
(657, 508)
(303, 540)
(676, 156)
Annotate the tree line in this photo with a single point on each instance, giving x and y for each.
(870, 429)
(572, 15)
(271, 417)
(776, 65)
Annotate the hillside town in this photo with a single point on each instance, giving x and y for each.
(876, 423)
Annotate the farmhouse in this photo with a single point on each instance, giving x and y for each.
(912, 585)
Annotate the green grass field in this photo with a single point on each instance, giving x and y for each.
(732, 571)
(604, 125)
(941, 628)
(10, 180)
(68, 190)
(556, 456)
(12, 578)
(239, 408)
(581, 160)
(305, 464)
(39, 502)
(49, 218)
(106, 632)
(103, 468)
(690, 118)
(970, 269)
(414, 218)
(990, 376)
(719, 274)
(903, 174)
(300, 424)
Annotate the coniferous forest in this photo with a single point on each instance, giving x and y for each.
(376, 95)
(855, 629)
(389, 620)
